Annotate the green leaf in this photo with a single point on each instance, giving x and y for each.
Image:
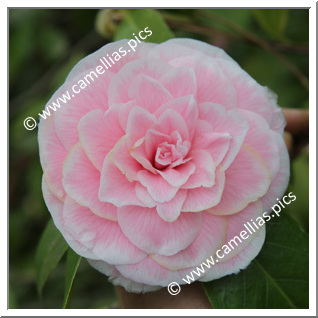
(137, 20)
(277, 278)
(72, 262)
(50, 250)
(272, 21)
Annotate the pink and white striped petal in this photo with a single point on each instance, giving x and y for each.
(246, 180)
(81, 182)
(149, 232)
(100, 236)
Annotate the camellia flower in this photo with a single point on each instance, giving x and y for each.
(158, 162)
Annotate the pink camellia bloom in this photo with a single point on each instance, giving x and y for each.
(160, 161)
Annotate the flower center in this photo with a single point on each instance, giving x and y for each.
(171, 154)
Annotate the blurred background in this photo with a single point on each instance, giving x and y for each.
(44, 44)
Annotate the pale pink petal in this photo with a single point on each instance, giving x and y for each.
(52, 156)
(279, 184)
(102, 237)
(278, 121)
(119, 86)
(187, 61)
(123, 110)
(81, 182)
(261, 138)
(170, 51)
(202, 198)
(115, 187)
(149, 232)
(54, 204)
(209, 240)
(171, 121)
(224, 121)
(139, 154)
(99, 141)
(242, 221)
(92, 97)
(250, 95)
(148, 93)
(116, 278)
(213, 85)
(239, 261)
(185, 75)
(178, 176)
(170, 211)
(199, 46)
(152, 140)
(103, 267)
(159, 189)
(139, 121)
(151, 273)
(121, 156)
(186, 106)
(55, 207)
(246, 180)
(217, 144)
(204, 174)
(144, 196)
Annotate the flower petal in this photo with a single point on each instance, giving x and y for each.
(204, 173)
(123, 159)
(102, 237)
(250, 93)
(224, 121)
(239, 261)
(144, 196)
(115, 187)
(235, 225)
(202, 198)
(159, 189)
(170, 211)
(178, 176)
(148, 93)
(261, 138)
(213, 85)
(52, 156)
(139, 121)
(151, 273)
(187, 107)
(139, 154)
(209, 240)
(246, 180)
(119, 86)
(199, 46)
(152, 140)
(279, 184)
(99, 141)
(92, 97)
(81, 182)
(116, 278)
(55, 207)
(171, 121)
(217, 144)
(185, 75)
(149, 232)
